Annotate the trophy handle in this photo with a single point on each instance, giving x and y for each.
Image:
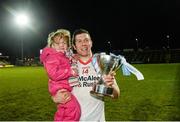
(115, 67)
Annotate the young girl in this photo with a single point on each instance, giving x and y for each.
(59, 70)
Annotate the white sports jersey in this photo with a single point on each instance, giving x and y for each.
(92, 109)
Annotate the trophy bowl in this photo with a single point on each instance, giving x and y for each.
(103, 65)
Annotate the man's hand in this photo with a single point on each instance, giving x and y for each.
(62, 96)
(111, 82)
(109, 79)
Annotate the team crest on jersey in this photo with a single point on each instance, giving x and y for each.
(85, 70)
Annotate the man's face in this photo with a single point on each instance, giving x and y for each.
(83, 44)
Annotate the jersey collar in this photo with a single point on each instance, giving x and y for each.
(85, 63)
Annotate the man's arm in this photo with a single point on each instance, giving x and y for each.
(111, 81)
(116, 91)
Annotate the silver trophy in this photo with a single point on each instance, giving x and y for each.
(103, 65)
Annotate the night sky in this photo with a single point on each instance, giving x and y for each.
(117, 21)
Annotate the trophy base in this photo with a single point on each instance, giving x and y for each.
(101, 90)
(93, 93)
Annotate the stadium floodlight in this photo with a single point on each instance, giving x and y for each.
(137, 45)
(22, 20)
(168, 37)
(109, 46)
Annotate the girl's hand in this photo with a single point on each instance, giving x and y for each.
(74, 71)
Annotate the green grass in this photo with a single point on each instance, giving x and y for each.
(155, 98)
(24, 95)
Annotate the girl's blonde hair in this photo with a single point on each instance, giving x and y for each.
(61, 32)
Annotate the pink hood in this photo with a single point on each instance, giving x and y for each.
(47, 51)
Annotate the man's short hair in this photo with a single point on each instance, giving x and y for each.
(78, 31)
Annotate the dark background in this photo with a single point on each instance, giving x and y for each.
(117, 21)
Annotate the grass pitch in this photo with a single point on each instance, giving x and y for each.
(24, 95)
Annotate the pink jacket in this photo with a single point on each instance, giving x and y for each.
(58, 69)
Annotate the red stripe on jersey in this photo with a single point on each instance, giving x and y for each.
(85, 63)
